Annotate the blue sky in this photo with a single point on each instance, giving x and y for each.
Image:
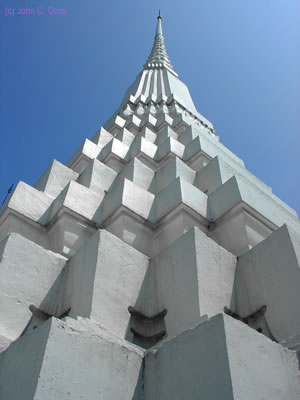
(62, 77)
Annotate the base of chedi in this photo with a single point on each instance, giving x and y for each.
(153, 265)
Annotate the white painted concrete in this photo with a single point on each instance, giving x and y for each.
(148, 134)
(238, 189)
(97, 176)
(79, 199)
(211, 147)
(170, 171)
(102, 280)
(170, 145)
(86, 152)
(269, 274)
(176, 193)
(221, 359)
(55, 178)
(194, 276)
(102, 137)
(125, 137)
(128, 194)
(142, 145)
(115, 147)
(72, 359)
(27, 201)
(69, 232)
(27, 273)
(164, 134)
(137, 172)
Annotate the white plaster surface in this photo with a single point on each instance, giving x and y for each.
(269, 274)
(148, 121)
(70, 360)
(142, 145)
(260, 368)
(164, 121)
(133, 123)
(128, 194)
(176, 193)
(148, 134)
(131, 228)
(221, 359)
(27, 273)
(231, 231)
(88, 150)
(27, 201)
(78, 199)
(165, 84)
(190, 133)
(137, 172)
(102, 137)
(170, 171)
(125, 137)
(55, 178)
(238, 189)
(218, 172)
(174, 225)
(116, 147)
(69, 233)
(170, 145)
(194, 276)
(102, 280)
(165, 133)
(97, 176)
(33, 231)
(210, 147)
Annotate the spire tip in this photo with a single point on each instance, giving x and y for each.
(159, 16)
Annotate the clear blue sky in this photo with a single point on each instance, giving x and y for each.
(61, 78)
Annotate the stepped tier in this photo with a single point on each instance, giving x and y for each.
(148, 193)
(203, 361)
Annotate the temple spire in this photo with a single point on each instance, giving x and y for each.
(158, 27)
(159, 86)
(158, 57)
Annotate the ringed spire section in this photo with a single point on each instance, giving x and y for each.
(158, 90)
(159, 57)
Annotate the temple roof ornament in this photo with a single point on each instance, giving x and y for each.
(158, 56)
(159, 84)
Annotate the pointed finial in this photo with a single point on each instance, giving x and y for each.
(158, 57)
(159, 27)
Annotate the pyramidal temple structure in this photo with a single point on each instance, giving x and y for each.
(152, 266)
